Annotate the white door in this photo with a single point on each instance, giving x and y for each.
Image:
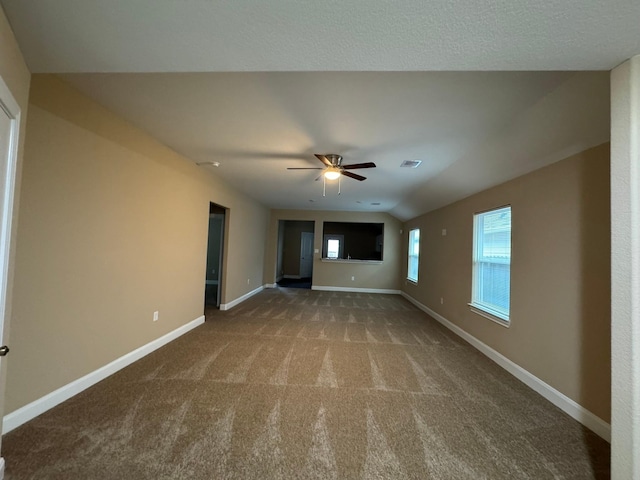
(9, 125)
(306, 254)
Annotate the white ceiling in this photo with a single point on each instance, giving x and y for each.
(362, 79)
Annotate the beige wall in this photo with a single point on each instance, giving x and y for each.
(385, 275)
(560, 274)
(16, 76)
(113, 226)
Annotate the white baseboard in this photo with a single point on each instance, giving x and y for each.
(559, 399)
(1, 468)
(233, 303)
(355, 289)
(37, 407)
(270, 285)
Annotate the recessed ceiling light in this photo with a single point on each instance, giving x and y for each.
(375, 203)
(411, 163)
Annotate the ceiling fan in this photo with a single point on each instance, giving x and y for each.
(334, 169)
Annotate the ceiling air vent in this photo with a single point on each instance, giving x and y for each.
(411, 163)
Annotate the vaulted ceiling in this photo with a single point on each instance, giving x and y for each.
(480, 90)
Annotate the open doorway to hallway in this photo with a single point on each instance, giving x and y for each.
(295, 253)
(215, 250)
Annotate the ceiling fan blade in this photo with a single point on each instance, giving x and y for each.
(305, 168)
(354, 175)
(353, 166)
(323, 159)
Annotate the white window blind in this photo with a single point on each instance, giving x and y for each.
(491, 284)
(414, 253)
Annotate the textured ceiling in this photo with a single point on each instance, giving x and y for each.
(261, 86)
(311, 35)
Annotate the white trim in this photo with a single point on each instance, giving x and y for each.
(488, 315)
(233, 303)
(37, 407)
(10, 107)
(560, 400)
(355, 289)
(270, 285)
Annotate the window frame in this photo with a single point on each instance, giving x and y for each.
(484, 309)
(416, 256)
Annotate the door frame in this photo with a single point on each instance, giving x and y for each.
(10, 107)
(217, 211)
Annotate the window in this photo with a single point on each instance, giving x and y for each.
(414, 253)
(492, 263)
(333, 246)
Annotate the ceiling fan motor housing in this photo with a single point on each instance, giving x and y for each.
(335, 160)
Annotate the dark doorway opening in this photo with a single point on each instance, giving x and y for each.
(215, 250)
(296, 247)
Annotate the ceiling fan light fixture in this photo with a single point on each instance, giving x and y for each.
(332, 173)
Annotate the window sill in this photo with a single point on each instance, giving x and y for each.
(346, 260)
(408, 281)
(483, 313)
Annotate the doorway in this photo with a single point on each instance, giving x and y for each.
(215, 249)
(295, 253)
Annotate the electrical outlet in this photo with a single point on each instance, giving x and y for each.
(444, 232)
(248, 281)
(156, 315)
(441, 300)
(353, 278)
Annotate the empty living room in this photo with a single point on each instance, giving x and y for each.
(358, 240)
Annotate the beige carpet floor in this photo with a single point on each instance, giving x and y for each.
(303, 384)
